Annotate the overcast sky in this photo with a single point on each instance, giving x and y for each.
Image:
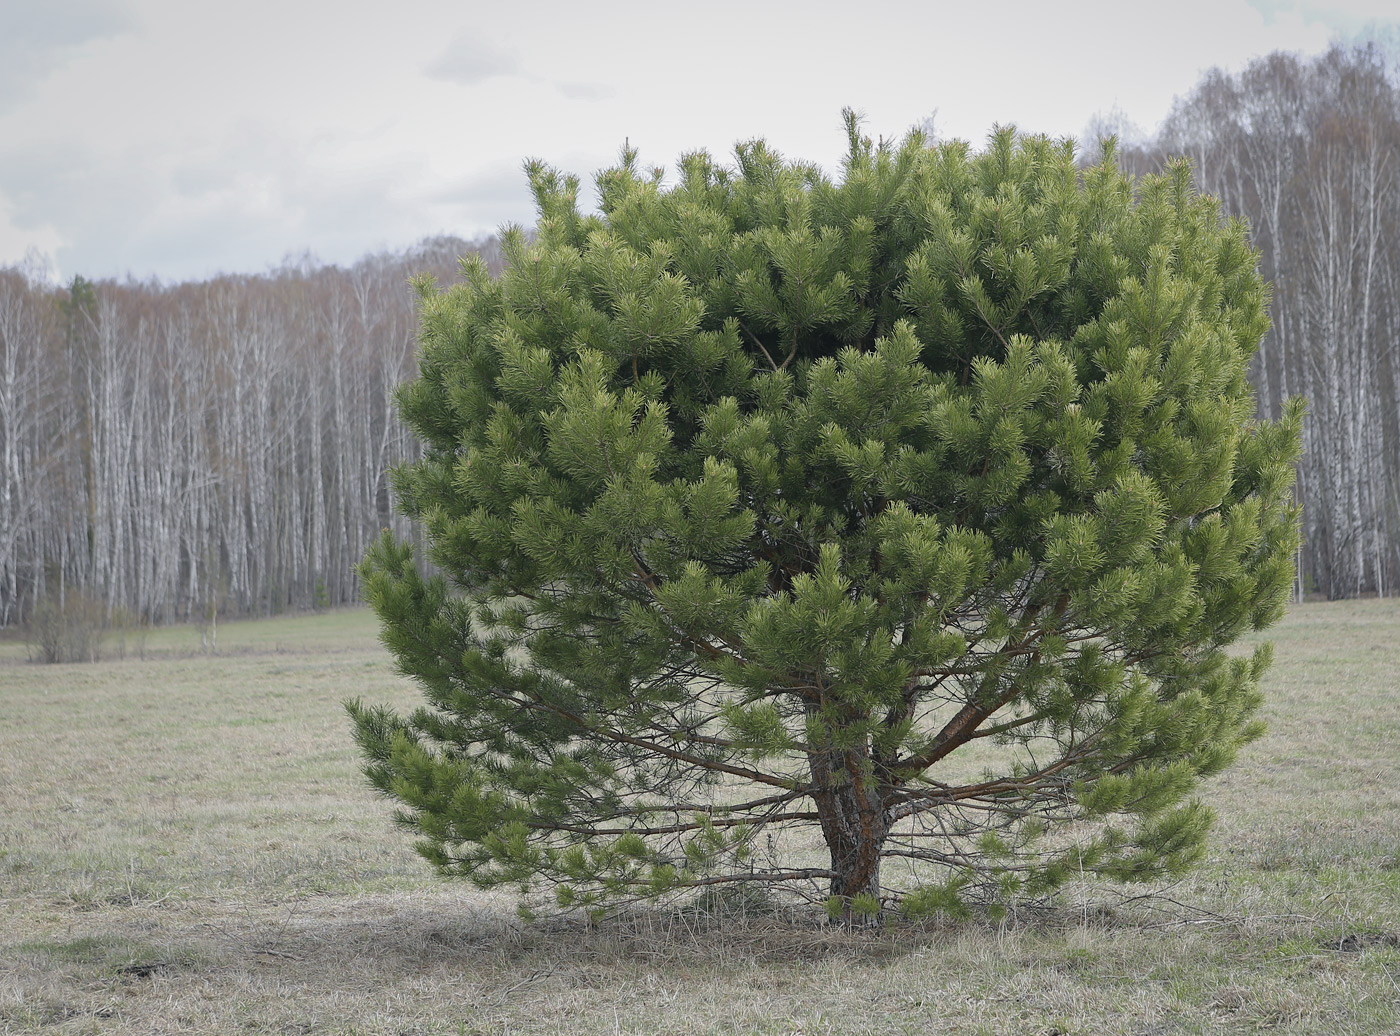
(182, 138)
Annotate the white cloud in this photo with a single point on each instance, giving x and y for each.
(37, 38)
(471, 59)
(586, 91)
(29, 244)
(182, 138)
(1346, 17)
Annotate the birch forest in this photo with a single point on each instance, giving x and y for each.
(175, 451)
(1308, 150)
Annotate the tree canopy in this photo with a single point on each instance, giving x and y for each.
(783, 526)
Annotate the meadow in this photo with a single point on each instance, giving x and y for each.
(186, 846)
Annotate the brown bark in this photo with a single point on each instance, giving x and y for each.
(854, 818)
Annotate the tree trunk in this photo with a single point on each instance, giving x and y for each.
(853, 818)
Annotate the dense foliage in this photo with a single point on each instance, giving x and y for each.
(913, 509)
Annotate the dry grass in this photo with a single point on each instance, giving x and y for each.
(185, 846)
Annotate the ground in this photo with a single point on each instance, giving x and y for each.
(186, 846)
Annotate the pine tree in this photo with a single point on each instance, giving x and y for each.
(914, 509)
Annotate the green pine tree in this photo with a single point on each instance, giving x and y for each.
(915, 509)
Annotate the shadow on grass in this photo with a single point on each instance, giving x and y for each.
(396, 934)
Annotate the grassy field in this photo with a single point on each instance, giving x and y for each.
(186, 846)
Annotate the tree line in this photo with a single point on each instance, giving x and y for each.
(172, 451)
(1308, 150)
